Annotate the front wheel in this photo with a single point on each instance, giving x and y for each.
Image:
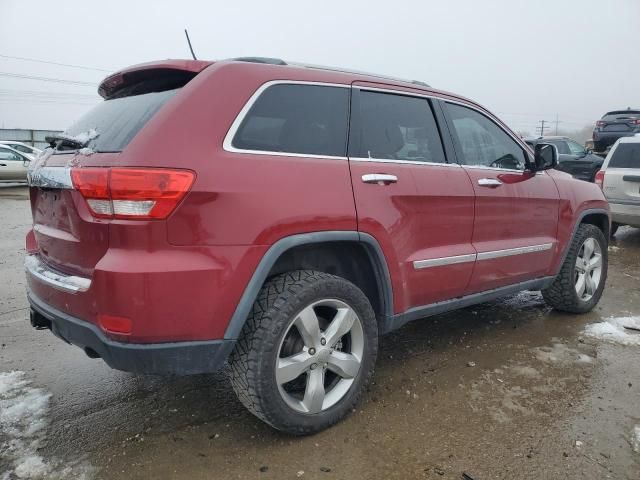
(306, 352)
(579, 285)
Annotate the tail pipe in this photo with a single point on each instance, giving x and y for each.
(39, 321)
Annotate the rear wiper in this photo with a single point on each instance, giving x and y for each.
(65, 140)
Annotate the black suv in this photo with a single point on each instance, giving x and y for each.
(613, 125)
(573, 158)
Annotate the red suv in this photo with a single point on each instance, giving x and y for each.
(281, 217)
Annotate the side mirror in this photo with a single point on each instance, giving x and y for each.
(546, 156)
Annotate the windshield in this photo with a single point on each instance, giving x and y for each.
(111, 125)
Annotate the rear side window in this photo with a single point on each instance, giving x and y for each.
(291, 118)
(626, 155)
(396, 127)
(118, 120)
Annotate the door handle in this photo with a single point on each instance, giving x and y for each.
(489, 182)
(3, 164)
(379, 178)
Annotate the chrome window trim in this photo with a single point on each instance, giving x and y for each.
(462, 104)
(409, 162)
(490, 255)
(50, 177)
(514, 251)
(227, 143)
(67, 283)
(438, 262)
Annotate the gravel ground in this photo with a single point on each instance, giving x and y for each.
(508, 389)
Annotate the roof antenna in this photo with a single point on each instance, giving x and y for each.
(189, 42)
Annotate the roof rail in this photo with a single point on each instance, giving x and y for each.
(278, 61)
(268, 60)
(358, 72)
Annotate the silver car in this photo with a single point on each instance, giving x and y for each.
(619, 179)
(13, 165)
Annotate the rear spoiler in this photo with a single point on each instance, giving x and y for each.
(161, 75)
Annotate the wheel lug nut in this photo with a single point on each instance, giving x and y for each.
(312, 351)
(313, 366)
(323, 341)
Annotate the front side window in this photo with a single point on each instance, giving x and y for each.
(576, 148)
(396, 127)
(10, 156)
(483, 143)
(561, 145)
(292, 118)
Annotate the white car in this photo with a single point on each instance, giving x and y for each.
(13, 165)
(619, 179)
(28, 150)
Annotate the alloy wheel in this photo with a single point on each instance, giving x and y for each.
(319, 356)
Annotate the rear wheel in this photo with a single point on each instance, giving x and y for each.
(306, 352)
(579, 285)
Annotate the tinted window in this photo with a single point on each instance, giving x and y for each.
(621, 115)
(117, 121)
(305, 119)
(482, 142)
(397, 127)
(626, 155)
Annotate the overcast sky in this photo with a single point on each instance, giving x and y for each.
(524, 60)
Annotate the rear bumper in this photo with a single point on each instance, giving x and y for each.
(627, 213)
(609, 138)
(179, 358)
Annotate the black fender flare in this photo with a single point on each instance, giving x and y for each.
(374, 251)
(578, 222)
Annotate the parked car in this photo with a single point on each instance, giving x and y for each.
(620, 181)
(282, 217)
(13, 165)
(28, 150)
(573, 158)
(615, 125)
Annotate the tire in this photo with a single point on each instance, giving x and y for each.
(275, 331)
(563, 293)
(614, 229)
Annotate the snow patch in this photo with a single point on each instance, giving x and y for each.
(23, 424)
(82, 138)
(525, 299)
(635, 439)
(613, 330)
(560, 353)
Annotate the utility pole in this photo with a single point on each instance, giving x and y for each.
(557, 122)
(542, 127)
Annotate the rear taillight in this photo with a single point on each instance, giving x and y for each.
(600, 178)
(636, 121)
(132, 193)
(600, 123)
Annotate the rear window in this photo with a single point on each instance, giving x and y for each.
(621, 115)
(304, 119)
(626, 155)
(117, 121)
